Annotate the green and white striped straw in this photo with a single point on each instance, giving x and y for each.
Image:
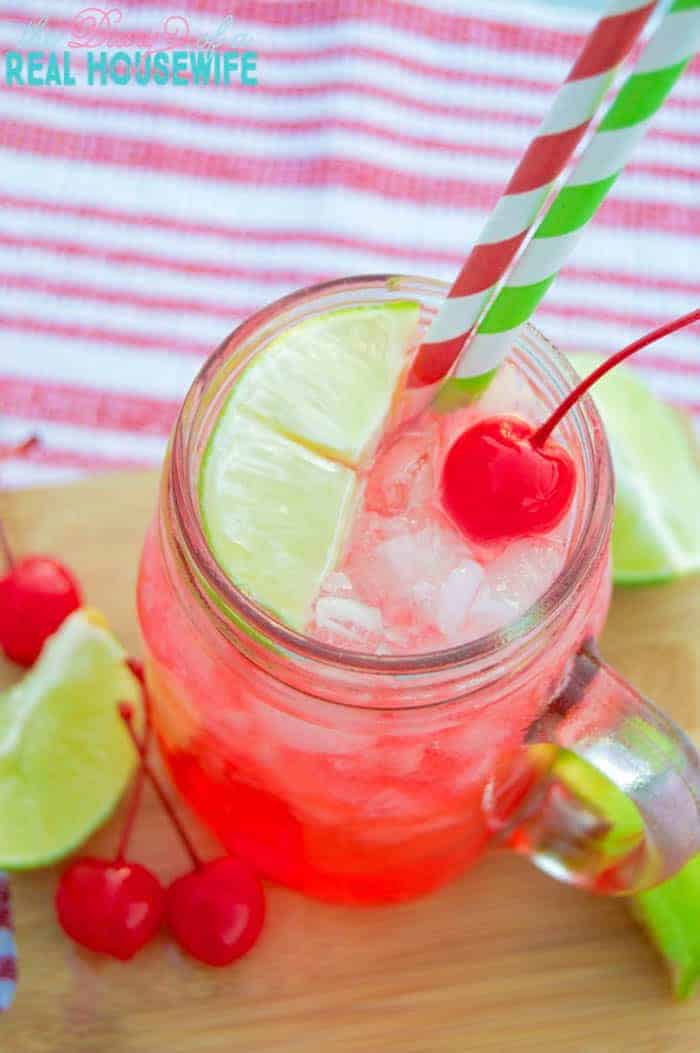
(667, 53)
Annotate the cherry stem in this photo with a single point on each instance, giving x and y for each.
(135, 666)
(5, 547)
(134, 805)
(127, 714)
(17, 451)
(26, 446)
(137, 792)
(544, 431)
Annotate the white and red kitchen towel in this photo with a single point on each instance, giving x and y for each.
(8, 963)
(139, 224)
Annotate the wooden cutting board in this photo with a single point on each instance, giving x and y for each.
(504, 959)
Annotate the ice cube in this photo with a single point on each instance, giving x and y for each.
(398, 553)
(428, 555)
(378, 528)
(402, 477)
(511, 393)
(455, 597)
(424, 595)
(363, 565)
(288, 731)
(398, 641)
(336, 584)
(523, 572)
(401, 572)
(489, 612)
(345, 616)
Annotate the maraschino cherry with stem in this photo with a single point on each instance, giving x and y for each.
(503, 479)
(216, 911)
(36, 595)
(113, 907)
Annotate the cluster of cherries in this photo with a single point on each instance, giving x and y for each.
(502, 479)
(215, 911)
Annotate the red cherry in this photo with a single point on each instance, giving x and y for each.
(503, 480)
(36, 595)
(112, 907)
(216, 912)
(498, 486)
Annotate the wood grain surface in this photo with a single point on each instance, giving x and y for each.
(504, 959)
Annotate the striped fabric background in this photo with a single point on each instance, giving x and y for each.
(8, 965)
(139, 224)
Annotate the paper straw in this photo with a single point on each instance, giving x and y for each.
(8, 953)
(660, 65)
(574, 106)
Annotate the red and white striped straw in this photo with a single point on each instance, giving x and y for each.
(571, 113)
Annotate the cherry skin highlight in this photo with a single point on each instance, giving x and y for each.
(217, 911)
(111, 907)
(498, 486)
(36, 595)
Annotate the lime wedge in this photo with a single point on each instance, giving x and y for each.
(670, 913)
(596, 791)
(657, 508)
(275, 513)
(65, 756)
(277, 486)
(329, 381)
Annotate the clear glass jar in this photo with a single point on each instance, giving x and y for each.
(352, 777)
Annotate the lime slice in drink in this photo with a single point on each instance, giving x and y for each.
(657, 508)
(275, 513)
(329, 381)
(65, 756)
(277, 486)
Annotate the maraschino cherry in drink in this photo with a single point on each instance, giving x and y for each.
(344, 657)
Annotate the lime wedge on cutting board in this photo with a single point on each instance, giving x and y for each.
(65, 756)
(277, 485)
(670, 913)
(657, 508)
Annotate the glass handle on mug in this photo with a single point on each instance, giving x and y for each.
(613, 787)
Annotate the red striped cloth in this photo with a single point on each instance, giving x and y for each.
(139, 224)
(8, 954)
